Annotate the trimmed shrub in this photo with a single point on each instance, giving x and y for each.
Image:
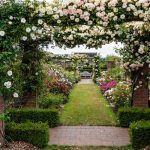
(50, 116)
(129, 115)
(140, 134)
(34, 133)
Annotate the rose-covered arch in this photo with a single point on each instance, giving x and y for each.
(26, 25)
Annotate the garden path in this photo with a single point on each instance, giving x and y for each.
(86, 81)
(89, 136)
(82, 117)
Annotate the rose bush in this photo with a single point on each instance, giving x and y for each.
(119, 96)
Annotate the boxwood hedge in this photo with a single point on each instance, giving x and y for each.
(50, 116)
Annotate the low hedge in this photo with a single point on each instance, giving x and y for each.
(34, 133)
(129, 115)
(50, 116)
(140, 134)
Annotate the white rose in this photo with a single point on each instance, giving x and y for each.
(2, 33)
(40, 21)
(55, 9)
(34, 28)
(39, 31)
(9, 73)
(15, 95)
(9, 22)
(28, 30)
(24, 38)
(58, 21)
(33, 36)
(115, 18)
(11, 17)
(23, 20)
(72, 17)
(56, 16)
(77, 20)
(8, 84)
(122, 16)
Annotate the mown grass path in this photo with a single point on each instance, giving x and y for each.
(87, 107)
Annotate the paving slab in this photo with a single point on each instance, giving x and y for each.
(89, 136)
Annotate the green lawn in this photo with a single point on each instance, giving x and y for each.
(87, 107)
(86, 148)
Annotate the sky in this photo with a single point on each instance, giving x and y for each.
(108, 49)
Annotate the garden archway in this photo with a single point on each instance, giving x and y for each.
(88, 22)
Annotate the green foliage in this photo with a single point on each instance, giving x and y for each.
(70, 76)
(34, 133)
(140, 134)
(96, 70)
(35, 115)
(129, 115)
(51, 100)
(116, 73)
(103, 66)
(112, 58)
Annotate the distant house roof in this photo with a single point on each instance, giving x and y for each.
(91, 54)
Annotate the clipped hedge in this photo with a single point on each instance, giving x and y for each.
(140, 134)
(50, 116)
(34, 133)
(129, 115)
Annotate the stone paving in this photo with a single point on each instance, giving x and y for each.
(89, 136)
(86, 81)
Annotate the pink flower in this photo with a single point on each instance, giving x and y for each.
(79, 11)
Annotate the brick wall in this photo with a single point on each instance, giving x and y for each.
(141, 95)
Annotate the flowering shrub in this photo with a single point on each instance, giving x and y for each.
(119, 96)
(104, 86)
(58, 86)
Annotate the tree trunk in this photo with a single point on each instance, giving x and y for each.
(140, 93)
(2, 129)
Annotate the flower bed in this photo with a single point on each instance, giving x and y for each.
(118, 94)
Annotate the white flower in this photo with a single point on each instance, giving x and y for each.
(56, 16)
(70, 37)
(23, 20)
(8, 84)
(9, 22)
(15, 95)
(34, 28)
(115, 18)
(122, 16)
(72, 17)
(24, 38)
(11, 17)
(39, 31)
(59, 21)
(77, 20)
(9, 73)
(2, 33)
(40, 21)
(33, 36)
(55, 9)
(28, 30)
